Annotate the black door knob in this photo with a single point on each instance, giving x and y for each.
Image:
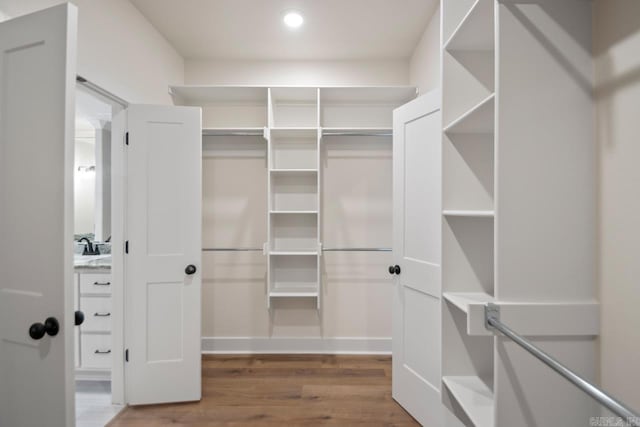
(79, 318)
(51, 327)
(191, 269)
(394, 269)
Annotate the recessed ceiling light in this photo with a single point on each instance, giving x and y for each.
(293, 19)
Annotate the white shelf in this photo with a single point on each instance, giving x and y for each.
(294, 129)
(294, 212)
(469, 213)
(290, 171)
(478, 119)
(474, 397)
(293, 253)
(463, 300)
(367, 95)
(476, 31)
(293, 292)
(193, 94)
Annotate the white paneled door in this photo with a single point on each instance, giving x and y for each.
(417, 216)
(37, 83)
(163, 264)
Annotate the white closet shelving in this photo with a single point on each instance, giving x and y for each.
(517, 215)
(293, 121)
(294, 194)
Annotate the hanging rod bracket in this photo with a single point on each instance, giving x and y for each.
(491, 312)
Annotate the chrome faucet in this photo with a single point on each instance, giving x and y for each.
(89, 248)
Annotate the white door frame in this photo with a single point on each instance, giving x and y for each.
(117, 229)
(118, 223)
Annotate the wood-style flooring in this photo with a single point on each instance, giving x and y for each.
(283, 390)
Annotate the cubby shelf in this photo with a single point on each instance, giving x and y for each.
(475, 32)
(474, 397)
(290, 171)
(195, 94)
(292, 129)
(294, 212)
(478, 119)
(469, 213)
(293, 292)
(462, 300)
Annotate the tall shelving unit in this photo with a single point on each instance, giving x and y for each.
(293, 121)
(468, 210)
(293, 244)
(517, 166)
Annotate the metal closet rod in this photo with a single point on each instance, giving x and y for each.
(628, 415)
(97, 89)
(249, 133)
(324, 250)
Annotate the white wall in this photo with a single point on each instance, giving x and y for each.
(311, 73)
(616, 51)
(118, 49)
(424, 66)
(356, 297)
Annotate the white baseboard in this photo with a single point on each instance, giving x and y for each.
(265, 345)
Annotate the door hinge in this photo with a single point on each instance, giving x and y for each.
(126, 247)
(126, 355)
(126, 138)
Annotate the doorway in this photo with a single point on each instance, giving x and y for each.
(92, 279)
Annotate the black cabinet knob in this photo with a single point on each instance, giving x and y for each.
(394, 269)
(79, 318)
(191, 269)
(50, 327)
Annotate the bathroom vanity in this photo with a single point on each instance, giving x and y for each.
(92, 296)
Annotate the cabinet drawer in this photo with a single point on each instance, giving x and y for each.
(95, 283)
(96, 350)
(97, 314)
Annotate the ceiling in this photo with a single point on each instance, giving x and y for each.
(253, 29)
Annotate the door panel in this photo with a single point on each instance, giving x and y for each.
(37, 83)
(417, 219)
(164, 229)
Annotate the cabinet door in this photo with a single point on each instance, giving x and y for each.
(417, 222)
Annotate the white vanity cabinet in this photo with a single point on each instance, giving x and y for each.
(93, 338)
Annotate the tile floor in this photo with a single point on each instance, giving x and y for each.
(93, 404)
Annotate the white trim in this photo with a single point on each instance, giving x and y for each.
(292, 345)
(118, 192)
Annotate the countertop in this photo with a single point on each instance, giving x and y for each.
(92, 263)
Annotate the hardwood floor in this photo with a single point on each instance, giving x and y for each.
(283, 390)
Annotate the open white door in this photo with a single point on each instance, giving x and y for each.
(37, 83)
(162, 267)
(417, 216)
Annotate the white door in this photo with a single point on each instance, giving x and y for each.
(162, 267)
(37, 83)
(417, 219)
